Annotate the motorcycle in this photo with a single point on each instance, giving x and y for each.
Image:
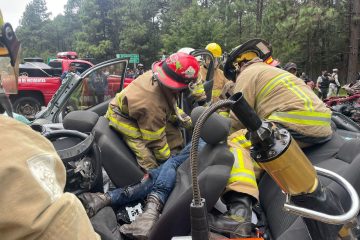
(347, 105)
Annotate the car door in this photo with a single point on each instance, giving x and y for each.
(92, 90)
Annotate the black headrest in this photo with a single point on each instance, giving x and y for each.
(82, 121)
(216, 128)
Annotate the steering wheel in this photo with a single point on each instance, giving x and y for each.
(82, 161)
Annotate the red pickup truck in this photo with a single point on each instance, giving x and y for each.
(38, 81)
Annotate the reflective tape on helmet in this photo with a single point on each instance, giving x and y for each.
(302, 117)
(242, 141)
(286, 81)
(152, 135)
(162, 153)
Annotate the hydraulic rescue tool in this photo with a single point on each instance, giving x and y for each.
(279, 155)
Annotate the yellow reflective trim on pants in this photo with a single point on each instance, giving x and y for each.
(302, 117)
(242, 179)
(162, 153)
(124, 128)
(238, 172)
(152, 135)
(242, 141)
(238, 156)
(285, 79)
(216, 93)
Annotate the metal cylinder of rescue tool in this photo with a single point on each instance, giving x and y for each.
(287, 164)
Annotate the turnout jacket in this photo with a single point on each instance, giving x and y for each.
(141, 111)
(33, 204)
(219, 82)
(279, 96)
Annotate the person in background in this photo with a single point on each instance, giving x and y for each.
(291, 68)
(139, 70)
(72, 69)
(303, 76)
(322, 84)
(130, 73)
(98, 85)
(335, 86)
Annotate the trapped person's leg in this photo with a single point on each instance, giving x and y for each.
(163, 186)
(93, 202)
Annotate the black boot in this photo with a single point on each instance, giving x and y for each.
(236, 222)
(325, 201)
(141, 227)
(93, 202)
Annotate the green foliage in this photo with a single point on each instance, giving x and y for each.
(312, 33)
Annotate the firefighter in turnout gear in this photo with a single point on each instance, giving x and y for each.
(33, 204)
(197, 91)
(219, 78)
(141, 111)
(276, 96)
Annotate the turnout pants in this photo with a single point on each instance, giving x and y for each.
(245, 170)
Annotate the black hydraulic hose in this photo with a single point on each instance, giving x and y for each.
(245, 113)
(195, 143)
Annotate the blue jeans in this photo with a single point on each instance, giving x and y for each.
(160, 182)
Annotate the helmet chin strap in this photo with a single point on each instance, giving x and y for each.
(5, 104)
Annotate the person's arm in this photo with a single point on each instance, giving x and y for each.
(151, 121)
(34, 175)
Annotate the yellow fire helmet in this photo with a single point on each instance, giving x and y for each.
(215, 49)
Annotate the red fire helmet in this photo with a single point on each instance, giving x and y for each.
(177, 71)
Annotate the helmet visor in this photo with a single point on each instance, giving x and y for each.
(8, 73)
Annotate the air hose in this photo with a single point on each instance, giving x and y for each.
(198, 210)
(195, 143)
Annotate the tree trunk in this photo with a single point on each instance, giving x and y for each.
(259, 12)
(354, 40)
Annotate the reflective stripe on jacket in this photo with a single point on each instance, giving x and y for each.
(282, 97)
